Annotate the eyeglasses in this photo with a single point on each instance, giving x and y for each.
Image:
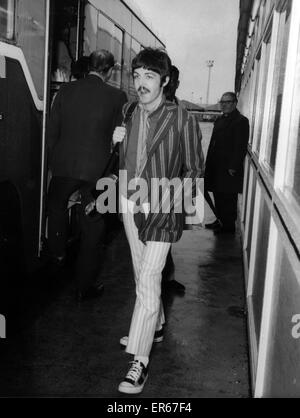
(226, 101)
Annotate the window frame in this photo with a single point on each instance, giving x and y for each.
(11, 23)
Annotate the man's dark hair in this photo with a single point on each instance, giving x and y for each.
(101, 61)
(80, 68)
(153, 59)
(232, 95)
(171, 87)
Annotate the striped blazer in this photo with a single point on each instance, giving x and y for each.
(175, 152)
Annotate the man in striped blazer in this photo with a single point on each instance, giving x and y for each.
(159, 142)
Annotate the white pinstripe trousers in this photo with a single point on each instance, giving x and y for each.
(148, 263)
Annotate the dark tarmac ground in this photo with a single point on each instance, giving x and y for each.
(55, 347)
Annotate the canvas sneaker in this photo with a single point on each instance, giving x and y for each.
(158, 338)
(135, 379)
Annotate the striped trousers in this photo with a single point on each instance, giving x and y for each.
(148, 262)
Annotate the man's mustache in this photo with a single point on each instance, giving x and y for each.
(143, 90)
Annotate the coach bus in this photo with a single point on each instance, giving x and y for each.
(268, 83)
(31, 34)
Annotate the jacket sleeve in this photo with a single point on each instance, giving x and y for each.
(240, 143)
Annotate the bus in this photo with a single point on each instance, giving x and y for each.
(268, 84)
(38, 41)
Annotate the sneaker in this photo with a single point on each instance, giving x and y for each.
(135, 379)
(158, 338)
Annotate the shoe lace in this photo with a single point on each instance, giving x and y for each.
(135, 370)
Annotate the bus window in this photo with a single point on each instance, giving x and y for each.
(135, 49)
(90, 32)
(7, 14)
(110, 37)
(30, 31)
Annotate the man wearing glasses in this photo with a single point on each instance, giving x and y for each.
(224, 163)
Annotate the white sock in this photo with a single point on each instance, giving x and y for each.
(144, 360)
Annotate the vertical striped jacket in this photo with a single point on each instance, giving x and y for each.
(175, 152)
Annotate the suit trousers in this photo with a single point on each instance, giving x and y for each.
(92, 231)
(226, 208)
(148, 262)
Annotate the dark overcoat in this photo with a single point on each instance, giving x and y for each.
(82, 120)
(227, 150)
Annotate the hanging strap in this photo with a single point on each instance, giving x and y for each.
(114, 156)
(129, 113)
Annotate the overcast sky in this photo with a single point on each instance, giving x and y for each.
(196, 31)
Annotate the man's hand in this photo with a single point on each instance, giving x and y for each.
(119, 134)
(231, 172)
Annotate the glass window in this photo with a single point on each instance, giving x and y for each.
(260, 264)
(255, 96)
(296, 180)
(249, 213)
(293, 181)
(261, 102)
(110, 37)
(90, 29)
(31, 38)
(106, 30)
(7, 13)
(135, 49)
(277, 91)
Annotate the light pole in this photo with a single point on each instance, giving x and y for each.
(209, 64)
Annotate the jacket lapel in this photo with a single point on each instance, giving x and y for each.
(163, 125)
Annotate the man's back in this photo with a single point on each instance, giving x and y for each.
(82, 121)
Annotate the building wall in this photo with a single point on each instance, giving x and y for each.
(270, 98)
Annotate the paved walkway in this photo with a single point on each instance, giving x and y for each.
(61, 349)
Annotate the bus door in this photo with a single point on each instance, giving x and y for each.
(67, 39)
(66, 25)
(23, 37)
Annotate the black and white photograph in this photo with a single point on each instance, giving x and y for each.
(150, 201)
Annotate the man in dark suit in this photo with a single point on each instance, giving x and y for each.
(83, 117)
(224, 163)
